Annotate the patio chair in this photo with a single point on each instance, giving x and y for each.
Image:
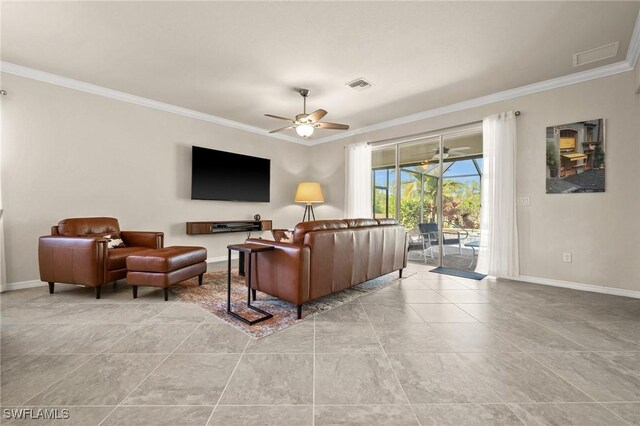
(430, 235)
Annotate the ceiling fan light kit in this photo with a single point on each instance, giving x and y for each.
(305, 124)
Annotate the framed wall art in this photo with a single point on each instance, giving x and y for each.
(576, 157)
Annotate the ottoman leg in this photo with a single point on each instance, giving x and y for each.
(51, 285)
(134, 289)
(299, 311)
(98, 292)
(200, 279)
(166, 294)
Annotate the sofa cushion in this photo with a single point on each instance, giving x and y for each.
(89, 226)
(360, 223)
(383, 222)
(117, 258)
(317, 225)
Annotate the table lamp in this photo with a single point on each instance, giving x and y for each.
(309, 192)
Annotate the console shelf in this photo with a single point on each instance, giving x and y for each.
(221, 227)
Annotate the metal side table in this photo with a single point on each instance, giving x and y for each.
(246, 249)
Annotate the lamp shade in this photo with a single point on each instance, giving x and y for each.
(309, 192)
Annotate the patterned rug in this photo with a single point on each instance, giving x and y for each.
(212, 296)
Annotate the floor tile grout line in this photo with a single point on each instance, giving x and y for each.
(507, 404)
(391, 366)
(614, 413)
(60, 379)
(228, 381)
(161, 311)
(552, 370)
(147, 376)
(546, 327)
(548, 368)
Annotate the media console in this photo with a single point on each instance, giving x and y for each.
(220, 227)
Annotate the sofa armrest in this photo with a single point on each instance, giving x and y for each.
(154, 240)
(283, 272)
(72, 260)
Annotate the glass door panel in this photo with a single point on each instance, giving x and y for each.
(383, 180)
(462, 172)
(419, 169)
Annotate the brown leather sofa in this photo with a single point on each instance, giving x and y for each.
(328, 256)
(76, 252)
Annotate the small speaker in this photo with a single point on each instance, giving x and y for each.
(256, 217)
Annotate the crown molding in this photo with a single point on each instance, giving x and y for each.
(21, 71)
(542, 86)
(633, 51)
(628, 64)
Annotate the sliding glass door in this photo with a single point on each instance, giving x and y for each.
(432, 186)
(462, 172)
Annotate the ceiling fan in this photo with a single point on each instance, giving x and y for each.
(447, 153)
(305, 123)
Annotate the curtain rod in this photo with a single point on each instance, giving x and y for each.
(432, 133)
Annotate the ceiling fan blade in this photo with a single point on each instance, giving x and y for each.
(316, 115)
(334, 126)
(281, 129)
(278, 117)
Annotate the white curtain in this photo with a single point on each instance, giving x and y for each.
(3, 269)
(498, 253)
(357, 181)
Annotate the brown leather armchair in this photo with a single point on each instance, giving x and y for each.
(76, 252)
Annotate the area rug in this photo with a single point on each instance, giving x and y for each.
(212, 296)
(458, 273)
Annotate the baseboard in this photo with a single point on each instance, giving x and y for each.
(24, 284)
(221, 258)
(579, 286)
(535, 280)
(37, 283)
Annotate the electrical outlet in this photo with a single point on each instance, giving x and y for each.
(523, 201)
(566, 257)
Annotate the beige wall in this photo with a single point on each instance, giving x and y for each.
(67, 153)
(601, 230)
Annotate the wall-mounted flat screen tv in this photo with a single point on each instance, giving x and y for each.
(226, 176)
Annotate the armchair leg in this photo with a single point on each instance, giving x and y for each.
(51, 285)
(400, 273)
(98, 292)
(166, 294)
(299, 311)
(253, 294)
(134, 289)
(200, 279)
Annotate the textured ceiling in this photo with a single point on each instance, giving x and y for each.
(239, 60)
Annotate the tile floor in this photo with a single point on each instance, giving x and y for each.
(430, 349)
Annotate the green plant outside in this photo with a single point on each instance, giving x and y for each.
(461, 203)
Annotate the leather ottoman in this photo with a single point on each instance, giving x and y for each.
(165, 267)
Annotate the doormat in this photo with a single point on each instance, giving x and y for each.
(212, 296)
(458, 273)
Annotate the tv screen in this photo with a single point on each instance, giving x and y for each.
(221, 175)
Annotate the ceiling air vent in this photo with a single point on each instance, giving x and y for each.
(359, 84)
(597, 54)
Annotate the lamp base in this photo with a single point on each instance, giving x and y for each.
(308, 213)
